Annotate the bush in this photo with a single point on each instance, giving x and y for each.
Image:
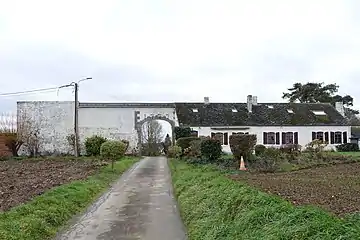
(151, 149)
(127, 143)
(93, 144)
(174, 152)
(315, 146)
(242, 145)
(348, 147)
(181, 132)
(211, 149)
(259, 149)
(184, 142)
(13, 143)
(112, 149)
(290, 148)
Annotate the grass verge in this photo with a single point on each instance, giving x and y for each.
(215, 207)
(42, 217)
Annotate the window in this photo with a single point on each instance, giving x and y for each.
(270, 138)
(287, 138)
(319, 113)
(337, 137)
(270, 106)
(195, 110)
(220, 137)
(320, 136)
(290, 111)
(234, 110)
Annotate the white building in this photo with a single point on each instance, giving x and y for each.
(273, 123)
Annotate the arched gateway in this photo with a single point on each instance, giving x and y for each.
(138, 127)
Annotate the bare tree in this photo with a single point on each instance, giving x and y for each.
(152, 135)
(8, 129)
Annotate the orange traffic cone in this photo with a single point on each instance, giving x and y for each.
(242, 164)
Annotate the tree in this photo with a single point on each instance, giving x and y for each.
(321, 93)
(28, 131)
(152, 135)
(8, 129)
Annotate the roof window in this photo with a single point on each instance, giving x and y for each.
(195, 110)
(319, 112)
(270, 106)
(290, 111)
(234, 110)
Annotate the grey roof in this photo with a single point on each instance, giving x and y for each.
(125, 105)
(221, 114)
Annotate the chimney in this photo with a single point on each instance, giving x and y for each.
(340, 108)
(254, 100)
(249, 103)
(206, 100)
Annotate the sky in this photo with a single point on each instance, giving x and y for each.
(179, 50)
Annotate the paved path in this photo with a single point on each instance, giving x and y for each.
(139, 206)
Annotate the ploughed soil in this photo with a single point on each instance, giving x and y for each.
(335, 188)
(21, 180)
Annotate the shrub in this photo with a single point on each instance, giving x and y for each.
(259, 149)
(93, 144)
(194, 150)
(315, 146)
(269, 161)
(348, 147)
(290, 148)
(127, 143)
(242, 145)
(181, 132)
(150, 149)
(13, 143)
(174, 152)
(211, 149)
(184, 142)
(112, 149)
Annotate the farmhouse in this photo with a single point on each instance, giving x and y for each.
(274, 124)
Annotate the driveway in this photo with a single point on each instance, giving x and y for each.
(139, 206)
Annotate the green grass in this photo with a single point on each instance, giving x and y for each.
(42, 217)
(353, 154)
(215, 207)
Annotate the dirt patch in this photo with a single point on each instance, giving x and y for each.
(22, 180)
(335, 188)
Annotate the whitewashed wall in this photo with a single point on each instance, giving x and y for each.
(56, 122)
(304, 133)
(117, 123)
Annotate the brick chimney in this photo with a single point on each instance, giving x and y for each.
(206, 100)
(249, 103)
(340, 108)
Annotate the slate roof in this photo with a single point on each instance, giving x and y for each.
(221, 114)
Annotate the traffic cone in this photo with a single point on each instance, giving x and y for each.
(242, 164)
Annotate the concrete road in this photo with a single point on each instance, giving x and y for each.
(139, 206)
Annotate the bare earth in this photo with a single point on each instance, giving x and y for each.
(335, 188)
(139, 206)
(20, 181)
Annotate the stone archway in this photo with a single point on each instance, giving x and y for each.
(138, 127)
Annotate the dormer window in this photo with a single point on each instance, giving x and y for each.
(195, 110)
(270, 106)
(234, 110)
(290, 111)
(319, 112)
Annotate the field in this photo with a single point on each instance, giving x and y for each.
(335, 188)
(214, 206)
(22, 180)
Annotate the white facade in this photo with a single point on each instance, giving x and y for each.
(56, 121)
(304, 133)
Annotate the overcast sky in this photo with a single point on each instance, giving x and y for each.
(177, 50)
